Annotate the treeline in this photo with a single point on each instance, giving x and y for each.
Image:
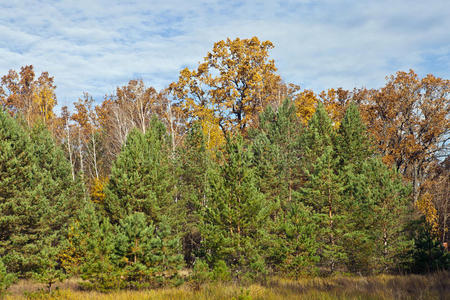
(229, 173)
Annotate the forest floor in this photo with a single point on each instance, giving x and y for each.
(432, 286)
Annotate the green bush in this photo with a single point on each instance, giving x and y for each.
(221, 272)
(6, 279)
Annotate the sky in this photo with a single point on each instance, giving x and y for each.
(94, 45)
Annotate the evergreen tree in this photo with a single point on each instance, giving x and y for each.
(195, 164)
(80, 237)
(428, 254)
(294, 251)
(141, 178)
(391, 204)
(292, 245)
(61, 199)
(49, 270)
(236, 215)
(148, 256)
(99, 268)
(19, 199)
(37, 196)
(353, 143)
(164, 254)
(140, 201)
(323, 187)
(354, 151)
(276, 153)
(64, 195)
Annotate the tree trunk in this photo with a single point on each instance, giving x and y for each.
(80, 152)
(70, 152)
(94, 154)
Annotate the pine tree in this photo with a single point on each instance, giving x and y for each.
(19, 210)
(99, 268)
(195, 164)
(276, 152)
(235, 218)
(292, 245)
(323, 188)
(64, 195)
(148, 256)
(295, 246)
(38, 195)
(140, 201)
(49, 270)
(353, 143)
(81, 234)
(428, 254)
(353, 147)
(390, 198)
(164, 254)
(141, 178)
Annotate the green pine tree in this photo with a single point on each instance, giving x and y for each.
(49, 270)
(38, 195)
(276, 153)
(236, 214)
(194, 167)
(61, 199)
(99, 266)
(428, 254)
(19, 200)
(354, 151)
(291, 243)
(141, 178)
(148, 256)
(295, 247)
(323, 188)
(353, 143)
(391, 204)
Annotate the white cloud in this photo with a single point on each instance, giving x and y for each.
(95, 46)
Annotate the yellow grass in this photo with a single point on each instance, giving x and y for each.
(434, 286)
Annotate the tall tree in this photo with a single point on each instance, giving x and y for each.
(141, 178)
(38, 195)
(88, 129)
(323, 188)
(392, 210)
(232, 85)
(65, 195)
(354, 150)
(409, 118)
(33, 97)
(237, 213)
(19, 200)
(194, 166)
(277, 153)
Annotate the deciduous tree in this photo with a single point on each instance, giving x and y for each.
(235, 82)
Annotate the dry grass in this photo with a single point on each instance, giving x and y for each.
(433, 286)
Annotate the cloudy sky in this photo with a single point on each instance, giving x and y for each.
(94, 46)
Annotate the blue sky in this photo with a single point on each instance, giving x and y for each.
(94, 46)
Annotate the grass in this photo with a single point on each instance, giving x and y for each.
(432, 286)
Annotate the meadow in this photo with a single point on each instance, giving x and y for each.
(432, 286)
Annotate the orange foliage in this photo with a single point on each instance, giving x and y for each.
(32, 97)
(231, 86)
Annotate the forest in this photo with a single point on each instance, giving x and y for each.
(229, 174)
